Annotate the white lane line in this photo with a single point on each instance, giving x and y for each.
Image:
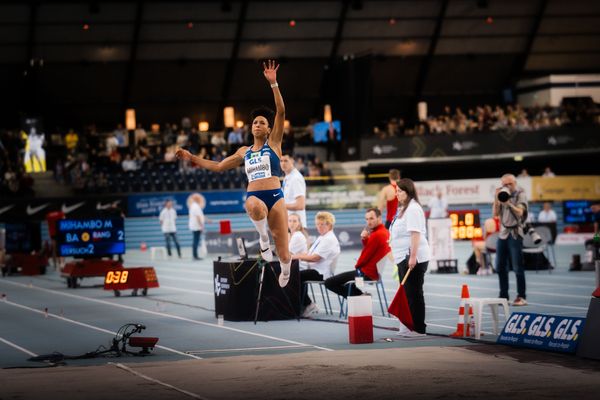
(16, 346)
(245, 349)
(427, 294)
(72, 321)
(150, 379)
(161, 314)
(188, 290)
(575, 296)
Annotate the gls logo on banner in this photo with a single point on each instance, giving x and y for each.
(548, 332)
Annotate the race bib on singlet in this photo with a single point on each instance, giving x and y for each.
(258, 167)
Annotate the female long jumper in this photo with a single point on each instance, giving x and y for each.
(264, 202)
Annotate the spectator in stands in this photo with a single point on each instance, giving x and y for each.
(235, 137)
(509, 250)
(168, 218)
(523, 174)
(153, 138)
(408, 240)
(333, 143)
(547, 214)
(112, 143)
(548, 173)
(387, 197)
(193, 141)
(140, 136)
(218, 141)
(196, 223)
(298, 235)
(438, 206)
(375, 238)
(182, 139)
(170, 153)
(71, 139)
(122, 137)
(294, 189)
(317, 264)
(128, 164)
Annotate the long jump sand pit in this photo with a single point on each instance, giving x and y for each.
(477, 371)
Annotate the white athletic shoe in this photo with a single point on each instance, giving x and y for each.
(412, 334)
(310, 310)
(265, 250)
(403, 330)
(284, 276)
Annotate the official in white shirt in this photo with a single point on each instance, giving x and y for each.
(294, 189)
(319, 258)
(408, 240)
(196, 221)
(547, 214)
(298, 236)
(438, 206)
(167, 218)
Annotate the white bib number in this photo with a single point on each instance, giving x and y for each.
(258, 168)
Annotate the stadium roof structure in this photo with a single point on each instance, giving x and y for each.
(199, 51)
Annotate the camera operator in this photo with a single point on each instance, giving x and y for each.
(510, 206)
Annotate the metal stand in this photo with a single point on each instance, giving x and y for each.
(262, 265)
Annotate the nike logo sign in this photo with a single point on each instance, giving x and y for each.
(67, 209)
(100, 206)
(34, 210)
(5, 209)
(276, 194)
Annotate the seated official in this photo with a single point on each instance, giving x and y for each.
(547, 215)
(315, 265)
(298, 242)
(375, 240)
(490, 226)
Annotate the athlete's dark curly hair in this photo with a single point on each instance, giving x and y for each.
(263, 111)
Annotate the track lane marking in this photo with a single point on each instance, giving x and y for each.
(72, 321)
(177, 317)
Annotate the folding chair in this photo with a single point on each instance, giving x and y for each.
(324, 291)
(378, 284)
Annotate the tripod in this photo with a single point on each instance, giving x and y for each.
(262, 265)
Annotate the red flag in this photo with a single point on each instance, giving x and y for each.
(399, 307)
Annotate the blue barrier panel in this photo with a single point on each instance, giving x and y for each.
(146, 205)
(543, 332)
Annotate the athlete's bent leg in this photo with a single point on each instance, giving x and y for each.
(279, 229)
(257, 211)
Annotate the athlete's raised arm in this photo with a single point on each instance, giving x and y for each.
(231, 162)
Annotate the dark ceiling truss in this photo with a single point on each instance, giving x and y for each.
(230, 67)
(130, 71)
(426, 64)
(521, 60)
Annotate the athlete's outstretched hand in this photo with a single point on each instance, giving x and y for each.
(270, 71)
(183, 154)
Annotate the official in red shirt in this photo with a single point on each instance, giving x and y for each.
(375, 240)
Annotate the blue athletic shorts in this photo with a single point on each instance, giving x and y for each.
(269, 197)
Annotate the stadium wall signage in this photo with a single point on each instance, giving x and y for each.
(543, 332)
(481, 144)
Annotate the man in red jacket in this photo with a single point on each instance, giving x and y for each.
(375, 247)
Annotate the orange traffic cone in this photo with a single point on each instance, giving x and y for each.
(460, 327)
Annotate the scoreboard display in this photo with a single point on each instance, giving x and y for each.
(465, 224)
(90, 237)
